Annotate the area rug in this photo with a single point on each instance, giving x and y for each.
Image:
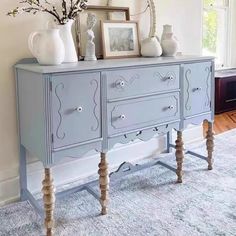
(148, 202)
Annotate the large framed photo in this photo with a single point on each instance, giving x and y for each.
(120, 39)
(102, 13)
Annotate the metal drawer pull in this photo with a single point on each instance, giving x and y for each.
(121, 83)
(122, 117)
(197, 89)
(79, 109)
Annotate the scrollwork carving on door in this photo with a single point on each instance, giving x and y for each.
(60, 134)
(95, 109)
(187, 77)
(208, 99)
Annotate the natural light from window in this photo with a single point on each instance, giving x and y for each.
(215, 30)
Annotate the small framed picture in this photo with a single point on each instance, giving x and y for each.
(120, 39)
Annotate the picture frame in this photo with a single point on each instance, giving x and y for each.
(120, 39)
(102, 13)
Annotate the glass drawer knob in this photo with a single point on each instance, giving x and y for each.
(122, 117)
(197, 89)
(79, 109)
(121, 83)
(171, 77)
(171, 107)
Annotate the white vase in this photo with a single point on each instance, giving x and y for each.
(169, 42)
(151, 47)
(67, 38)
(47, 47)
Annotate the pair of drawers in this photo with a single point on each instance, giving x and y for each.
(135, 98)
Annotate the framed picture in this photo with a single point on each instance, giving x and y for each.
(102, 13)
(120, 39)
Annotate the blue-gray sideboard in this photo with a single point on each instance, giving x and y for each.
(70, 109)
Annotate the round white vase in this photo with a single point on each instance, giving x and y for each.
(169, 42)
(47, 47)
(151, 47)
(67, 38)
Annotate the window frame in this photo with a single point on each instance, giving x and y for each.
(226, 58)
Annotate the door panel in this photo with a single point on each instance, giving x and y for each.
(197, 88)
(75, 108)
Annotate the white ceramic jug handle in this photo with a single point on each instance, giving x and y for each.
(31, 43)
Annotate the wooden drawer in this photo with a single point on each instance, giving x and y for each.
(75, 108)
(134, 82)
(139, 113)
(197, 88)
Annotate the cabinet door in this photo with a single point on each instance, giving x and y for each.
(75, 108)
(197, 88)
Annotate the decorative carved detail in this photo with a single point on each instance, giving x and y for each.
(128, 82)
(187, 74)
(95, 128)
(49, 201)
(208, 101)
(104, 183)
(58, 134)
(210, 145)
(143, 135)
(163, 77)
(124, 167)
(179, 156)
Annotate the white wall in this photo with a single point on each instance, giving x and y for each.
(232, 34)
(185, 15)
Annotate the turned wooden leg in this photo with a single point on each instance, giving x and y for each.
(104, 183)
(49, 201)
(210, 145)
(179, 156)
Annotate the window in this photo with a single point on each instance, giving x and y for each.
(216, 30)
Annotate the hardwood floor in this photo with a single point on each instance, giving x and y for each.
(223, 122)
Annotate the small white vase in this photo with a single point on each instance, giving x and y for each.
(67, 38)
(151, 47)
(169, 42)
(47, 47)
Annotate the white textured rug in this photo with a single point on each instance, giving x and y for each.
(148, 202)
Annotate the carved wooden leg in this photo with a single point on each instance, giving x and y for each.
(210, 145)
(179, 156)
(104, 183)
(49, 201)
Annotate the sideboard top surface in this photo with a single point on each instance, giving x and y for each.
(107, 64)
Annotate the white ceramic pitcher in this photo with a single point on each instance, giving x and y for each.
(67, 38)
(47, 46)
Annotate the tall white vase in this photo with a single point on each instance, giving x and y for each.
(67, 38)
